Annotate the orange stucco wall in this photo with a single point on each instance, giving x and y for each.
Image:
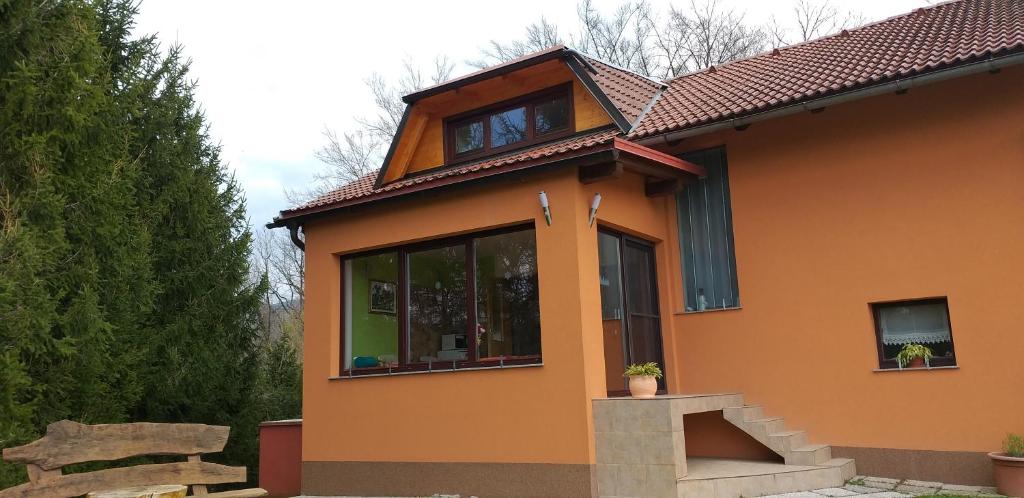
(893, 197)
(533, 414)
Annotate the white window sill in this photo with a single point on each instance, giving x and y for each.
(918, 369)
(712, 310)
(346, 376)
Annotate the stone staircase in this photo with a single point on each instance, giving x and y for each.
(791, 445)
(641, 451)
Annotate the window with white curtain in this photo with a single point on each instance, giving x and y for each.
(923, 321)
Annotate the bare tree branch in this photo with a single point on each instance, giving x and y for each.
(622, 39)
(812, 19)
(283, 265)
(635, 37)
(539, 35)
(355, 154)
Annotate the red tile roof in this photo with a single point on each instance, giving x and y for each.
(362, 190)
(924, 40)
(629, 92)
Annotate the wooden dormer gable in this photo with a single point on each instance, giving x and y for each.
(597, 95)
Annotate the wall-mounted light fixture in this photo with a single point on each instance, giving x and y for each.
(544, 206)
(594, 204)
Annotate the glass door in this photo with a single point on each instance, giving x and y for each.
(630, 317)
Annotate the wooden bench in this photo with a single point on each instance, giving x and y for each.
(69, 442)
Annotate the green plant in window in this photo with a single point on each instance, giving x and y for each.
(910, 352)
(643, 370)
(1014, 445)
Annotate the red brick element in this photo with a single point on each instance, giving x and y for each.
(926, 40)
(281, 457)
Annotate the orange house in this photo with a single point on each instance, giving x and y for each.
(771, 231)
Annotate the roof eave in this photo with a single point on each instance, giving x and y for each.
(989, 64)
(382, 173)
(587, 156)
(576, 65)
(555, 52)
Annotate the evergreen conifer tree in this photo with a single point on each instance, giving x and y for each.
(125, 287)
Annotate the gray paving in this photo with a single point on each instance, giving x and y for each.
(884, 487)
(858, 487)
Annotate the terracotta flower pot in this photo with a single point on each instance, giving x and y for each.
(916, 363)
(643, 386)
(1009, 473)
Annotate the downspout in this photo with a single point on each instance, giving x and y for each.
(293, 230)
(992, 64)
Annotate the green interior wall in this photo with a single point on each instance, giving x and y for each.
(373, 334)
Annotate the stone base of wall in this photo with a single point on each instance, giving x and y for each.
(951, 467)
(491, 480)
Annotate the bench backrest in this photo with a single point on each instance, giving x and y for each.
(69, 442)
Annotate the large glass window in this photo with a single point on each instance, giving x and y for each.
(458, 303)
(508, 127)
(611, 276)
(437, 304)
(531, 119)
(705, 236)
(371, 321)
(507, 311)
(469, 137)
(552, 115)
(921, 322)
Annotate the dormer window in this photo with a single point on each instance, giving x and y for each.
(508, 125)
(469, 137)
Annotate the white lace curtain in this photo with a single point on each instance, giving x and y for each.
(914, 324)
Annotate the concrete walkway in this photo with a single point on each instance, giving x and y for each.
(860, 487)
(881, 487)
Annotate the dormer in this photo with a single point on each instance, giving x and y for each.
(540, 98)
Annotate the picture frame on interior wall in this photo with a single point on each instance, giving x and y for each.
(383, 297)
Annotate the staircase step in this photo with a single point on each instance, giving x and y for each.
(760, 428)
(811, 454)
(731, 485)
(792, 446)
(744, 413)
(786, 441)
(846, 465)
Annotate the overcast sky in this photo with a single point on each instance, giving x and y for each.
(273, 74)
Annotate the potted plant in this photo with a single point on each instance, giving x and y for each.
(914, 356)
(1009, 466)
(643, 379)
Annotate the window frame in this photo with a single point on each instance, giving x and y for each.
(402, 309)
(483, 114)
(891, 363)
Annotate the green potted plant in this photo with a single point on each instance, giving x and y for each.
(1008, 466)
(643, 379)
(914, 356)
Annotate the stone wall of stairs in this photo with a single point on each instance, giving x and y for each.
(791, 445)
(641, 451)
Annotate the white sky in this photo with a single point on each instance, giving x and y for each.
(273, 74)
